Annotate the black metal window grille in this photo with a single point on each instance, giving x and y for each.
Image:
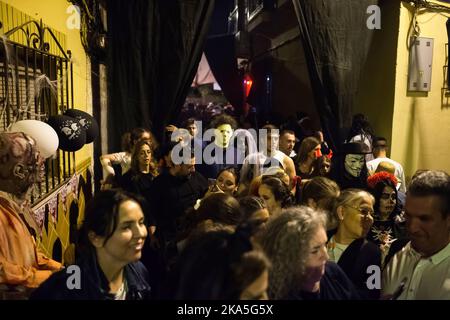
(22, 98)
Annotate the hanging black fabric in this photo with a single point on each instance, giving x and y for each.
(220, 52)
(260, 96)
(133, 38)
(154, 48)
(336, 41)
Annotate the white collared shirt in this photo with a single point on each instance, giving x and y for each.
(427, 278)
(399, 173)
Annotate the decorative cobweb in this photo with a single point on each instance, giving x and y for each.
(21, 93)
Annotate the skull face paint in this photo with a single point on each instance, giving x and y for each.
(353, 164)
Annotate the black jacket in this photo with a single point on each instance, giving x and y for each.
(170, 196)
(139, 183)
(231, 157)
(334, 285)
(94, 285)
(355, 260)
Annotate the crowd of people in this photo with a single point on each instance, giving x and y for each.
(293, 220)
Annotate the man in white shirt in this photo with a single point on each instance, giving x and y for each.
(269, 156)
(421, 270)
(380, 152)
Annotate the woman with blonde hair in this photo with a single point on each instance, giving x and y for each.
(295, 242)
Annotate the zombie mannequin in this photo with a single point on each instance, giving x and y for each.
(22, 267)
(350, 169)
(20, 163)
(20, 167)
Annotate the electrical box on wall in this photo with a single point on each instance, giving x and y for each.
(420, 64)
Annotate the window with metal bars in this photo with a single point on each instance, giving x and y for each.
(36, 84)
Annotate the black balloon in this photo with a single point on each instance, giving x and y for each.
(72, 136)
(86, 121)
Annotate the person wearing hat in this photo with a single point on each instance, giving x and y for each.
(349, 168)
(361, 131)
(380, 152)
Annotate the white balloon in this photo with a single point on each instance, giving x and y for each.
(46, 137)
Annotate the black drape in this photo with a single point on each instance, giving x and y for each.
(220, 52)
(154, 48)
(336, 42)
(260, 96)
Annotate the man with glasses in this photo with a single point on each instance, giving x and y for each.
(421, 269)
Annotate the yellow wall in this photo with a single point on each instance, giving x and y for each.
(53, 14)
(421, 122)
(376, 92)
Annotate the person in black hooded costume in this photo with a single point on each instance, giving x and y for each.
(349, 167)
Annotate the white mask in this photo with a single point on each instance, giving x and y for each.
(223, 135)
(354, 164)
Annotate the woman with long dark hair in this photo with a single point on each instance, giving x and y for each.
(389, 222)
(108, 251)
(220, 266)
(122, 160)
(308, 153)
(142, 171)
(275, 194)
